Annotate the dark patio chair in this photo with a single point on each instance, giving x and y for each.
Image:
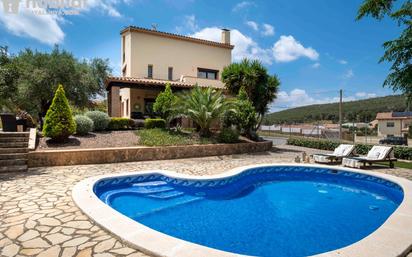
(8, 121)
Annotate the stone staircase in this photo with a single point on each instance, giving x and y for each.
(13, 151)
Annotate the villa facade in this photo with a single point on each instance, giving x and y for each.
(151, 58)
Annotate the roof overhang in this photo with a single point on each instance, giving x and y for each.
(175, 36)
(154, 83)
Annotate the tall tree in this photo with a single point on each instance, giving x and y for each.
(39, 74)
(8, 80)
(397, 51)
(261, 87)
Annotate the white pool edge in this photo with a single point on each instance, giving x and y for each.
(393, 238)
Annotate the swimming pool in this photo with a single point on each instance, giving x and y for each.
(265, 210)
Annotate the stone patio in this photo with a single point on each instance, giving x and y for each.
(39, 218)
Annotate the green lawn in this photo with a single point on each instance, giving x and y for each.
(399, 164)
(157, 137)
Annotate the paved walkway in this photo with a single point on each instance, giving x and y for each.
(39, 218)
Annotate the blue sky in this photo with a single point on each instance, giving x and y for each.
(315, 47)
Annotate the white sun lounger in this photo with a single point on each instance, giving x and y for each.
(378, 153)
(343, 150)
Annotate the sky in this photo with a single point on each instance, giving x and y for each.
(315, 47)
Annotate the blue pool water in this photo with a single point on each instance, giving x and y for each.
(270, 211)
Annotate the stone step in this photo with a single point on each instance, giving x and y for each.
(20, 168)
(14, 150)
(13, 139)
(11, 156)
(14, 134)
(14, 144)
(13, 162)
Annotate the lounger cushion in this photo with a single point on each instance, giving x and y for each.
(343, 150)
(378, 152)
(349, 162)
(321, 158)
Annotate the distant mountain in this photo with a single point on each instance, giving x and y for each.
(360, 110)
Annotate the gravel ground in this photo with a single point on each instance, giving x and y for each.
(94, 140)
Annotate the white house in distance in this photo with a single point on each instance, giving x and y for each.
(393, 123)
(152, 58)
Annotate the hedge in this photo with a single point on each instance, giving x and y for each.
(154, 123)
(120, 123)
(400, 152)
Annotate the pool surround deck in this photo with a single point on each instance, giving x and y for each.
(393, 238)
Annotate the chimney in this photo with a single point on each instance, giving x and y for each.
(226, 36)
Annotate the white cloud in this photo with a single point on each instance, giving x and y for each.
(316, 65)
(107, 6)
(37, 23)
(242, 5)
(253, 25)
(44, 28)
(299, 97)
(189, 24)
(365, 95)
(343, 62)
(348, 74)
(245, 47)
(287, 49)
(284, 50)
(268, 30)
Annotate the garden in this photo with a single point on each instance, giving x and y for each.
(217, 116)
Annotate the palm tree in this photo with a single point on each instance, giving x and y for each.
(203, 106)
(260, 87)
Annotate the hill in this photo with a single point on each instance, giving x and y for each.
(360, 110)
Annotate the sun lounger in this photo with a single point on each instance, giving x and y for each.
(343, 150)
(376, 154)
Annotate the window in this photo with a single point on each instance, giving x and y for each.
(127, 107)
(124, 71)
(390, 124)
(150, 71)
(170, 73)
(206, 73)
(124, 46)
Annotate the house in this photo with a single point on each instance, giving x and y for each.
(151, 58)
(393, 123)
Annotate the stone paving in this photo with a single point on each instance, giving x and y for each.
(39, 218)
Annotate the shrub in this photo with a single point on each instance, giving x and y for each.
(100, 119)
(203, 106)
(120, 123)
(164, 104)
(400, 152)
(59, 123)
(83, 124)
(228, 136)
(154, 123)
(244, 118)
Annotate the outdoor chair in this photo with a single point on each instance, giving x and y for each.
(8, 121)
(342, 151)
(377, 154)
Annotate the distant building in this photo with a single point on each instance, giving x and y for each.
(393, 123)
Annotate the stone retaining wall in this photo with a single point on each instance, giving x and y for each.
(132, 154)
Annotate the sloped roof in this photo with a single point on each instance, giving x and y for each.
(175, 36)
(150, 82)
(393, 115)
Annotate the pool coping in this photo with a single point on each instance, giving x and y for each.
(392, 238)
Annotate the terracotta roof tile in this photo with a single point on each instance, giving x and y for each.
(176, 36)
(148, 82)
